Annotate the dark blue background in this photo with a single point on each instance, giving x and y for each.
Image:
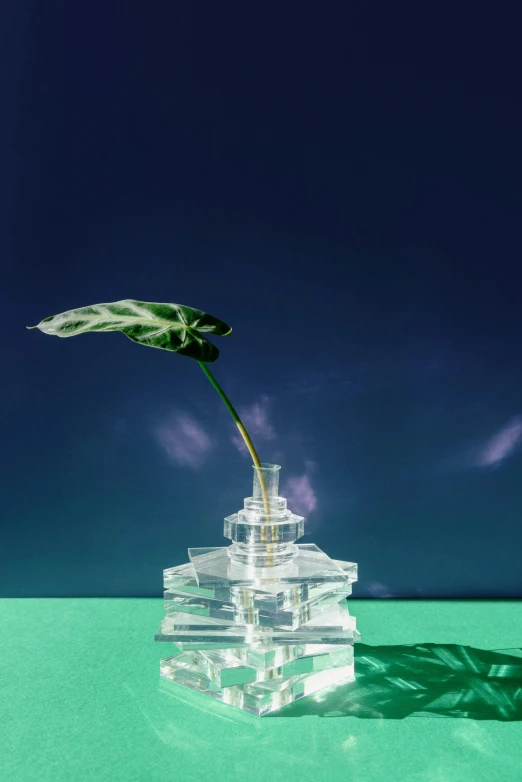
(341, 184)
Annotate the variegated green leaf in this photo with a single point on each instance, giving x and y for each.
(171, 327)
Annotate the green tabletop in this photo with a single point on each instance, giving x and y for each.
(438, 697)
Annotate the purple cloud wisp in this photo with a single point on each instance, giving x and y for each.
(502, 444)
(184, 440)
(300, 493)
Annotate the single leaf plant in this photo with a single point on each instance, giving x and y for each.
(173, 327)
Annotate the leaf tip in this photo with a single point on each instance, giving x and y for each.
(227, 333)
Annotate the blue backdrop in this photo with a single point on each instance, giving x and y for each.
(343, 188)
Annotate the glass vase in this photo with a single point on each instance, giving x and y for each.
(264, 621)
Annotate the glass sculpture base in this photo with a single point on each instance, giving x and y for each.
(247, 641)
(258, 625)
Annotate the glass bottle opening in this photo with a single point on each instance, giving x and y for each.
(269, 473)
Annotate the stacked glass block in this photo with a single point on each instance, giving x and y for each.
(264, 621)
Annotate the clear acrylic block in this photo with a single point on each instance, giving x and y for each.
(226, 669)
(288, 618)
(333, 625)
(257, 698)
(270, 594)
(263, 621)
(310, 565)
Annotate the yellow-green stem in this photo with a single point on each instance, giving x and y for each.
(244, 434)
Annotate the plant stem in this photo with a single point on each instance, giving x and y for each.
(244, 434)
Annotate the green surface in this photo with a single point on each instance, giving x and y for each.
(82, 700)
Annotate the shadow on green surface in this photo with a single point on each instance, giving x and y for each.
(446, 680)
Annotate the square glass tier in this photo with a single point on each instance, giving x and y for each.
(266, 595)
(289, 618)
(213, 568)
(332, 626)
(225, 669)
(257, 698)
(264, 657)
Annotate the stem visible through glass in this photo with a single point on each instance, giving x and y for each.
(244, 434)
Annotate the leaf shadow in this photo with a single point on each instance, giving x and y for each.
(427, 679)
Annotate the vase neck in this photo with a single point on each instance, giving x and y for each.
(269, 474)
(263, 533)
